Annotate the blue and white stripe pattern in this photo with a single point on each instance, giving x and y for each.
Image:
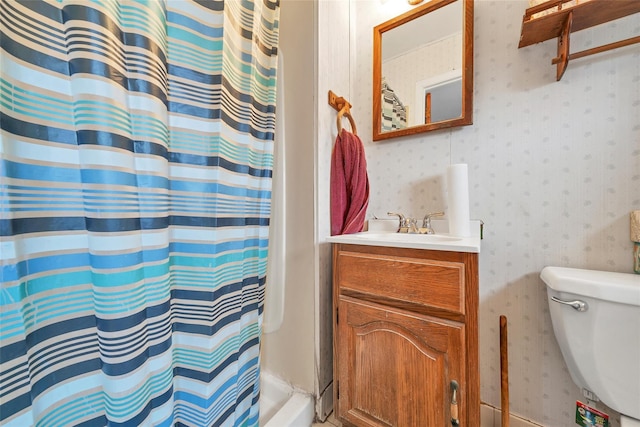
(135, 185)
(394, 113)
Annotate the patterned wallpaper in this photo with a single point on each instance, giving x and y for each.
(554, 171)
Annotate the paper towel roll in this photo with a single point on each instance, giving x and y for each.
(458, 200)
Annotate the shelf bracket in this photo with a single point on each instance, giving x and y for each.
(562, 60)
(558, 18)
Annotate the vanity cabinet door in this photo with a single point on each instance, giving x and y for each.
(394, 367)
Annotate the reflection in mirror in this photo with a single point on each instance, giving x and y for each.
(423, 69)
(438, 98)
(417, 61)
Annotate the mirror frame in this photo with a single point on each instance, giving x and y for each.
(467, 70)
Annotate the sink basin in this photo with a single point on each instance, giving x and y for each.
(441, 242)
(405, 237)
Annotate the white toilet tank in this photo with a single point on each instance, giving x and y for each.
(601, 345)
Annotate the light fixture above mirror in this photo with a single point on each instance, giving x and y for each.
(423, 69)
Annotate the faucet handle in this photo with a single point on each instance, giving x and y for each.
(402, 221)
(426, 222)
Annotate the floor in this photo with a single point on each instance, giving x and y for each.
(331, 422)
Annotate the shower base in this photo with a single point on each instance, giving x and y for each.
(281, 405)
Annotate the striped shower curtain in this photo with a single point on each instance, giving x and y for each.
(135, 176)
(394, 113)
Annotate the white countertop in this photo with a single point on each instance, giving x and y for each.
(382, 234)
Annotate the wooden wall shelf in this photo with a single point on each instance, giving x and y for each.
(562, 20)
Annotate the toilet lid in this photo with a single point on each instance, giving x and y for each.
(622, 288)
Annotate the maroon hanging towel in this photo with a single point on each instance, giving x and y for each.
(349, 185)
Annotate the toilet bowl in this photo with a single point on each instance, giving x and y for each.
(596, 321)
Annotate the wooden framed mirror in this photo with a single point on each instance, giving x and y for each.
(423, 70)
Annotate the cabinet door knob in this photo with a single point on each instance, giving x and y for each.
(454, 403)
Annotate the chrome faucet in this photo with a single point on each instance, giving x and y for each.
(426, 223)
(402, 224)
(405, 225)
(412, 226)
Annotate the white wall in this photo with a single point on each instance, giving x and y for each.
(289, 352)
(554, 172)
(334, 73)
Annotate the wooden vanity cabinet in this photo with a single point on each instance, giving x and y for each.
(405, 327)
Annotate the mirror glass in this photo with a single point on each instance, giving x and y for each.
(423, 70)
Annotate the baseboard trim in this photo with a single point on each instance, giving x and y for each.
(490, 416)
(324, 403)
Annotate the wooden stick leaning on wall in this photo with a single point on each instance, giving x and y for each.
(504, 373)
